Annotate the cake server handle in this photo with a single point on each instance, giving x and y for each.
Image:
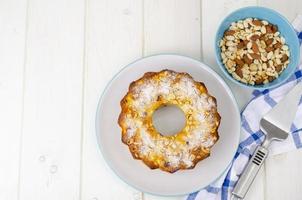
(251, 170)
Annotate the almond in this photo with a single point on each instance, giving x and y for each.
(268, 29)
(239, 62)
(253, 67)
(259, 81)
(263, 30)
(269, 41)
(230, 37)
(270, 56)
(257, 22)
(245, 42)
(255, 56)
(271, 78)
(247, 60)
(255, 47)
(269, 49)
(277, 45)
(274, 28)
(238, 71)
(278, 68)
(229, 32)
(284, 58)
(254, 52)
(254, 37)
(262, 37)
(241, 45)
(285, 47)
(230, 64)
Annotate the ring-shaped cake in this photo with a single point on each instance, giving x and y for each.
(184, 149)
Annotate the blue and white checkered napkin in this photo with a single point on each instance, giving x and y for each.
(251, 136)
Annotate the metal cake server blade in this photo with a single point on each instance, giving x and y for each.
(276, 125)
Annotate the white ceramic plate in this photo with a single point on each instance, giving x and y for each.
(137, 174)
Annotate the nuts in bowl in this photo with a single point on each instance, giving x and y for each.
(253, 51)
(256, 47)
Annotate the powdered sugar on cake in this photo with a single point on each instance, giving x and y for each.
(199, 108)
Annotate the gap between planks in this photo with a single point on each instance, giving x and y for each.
(84, 77)
(23, 98)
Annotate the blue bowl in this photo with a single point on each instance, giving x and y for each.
(285, 29)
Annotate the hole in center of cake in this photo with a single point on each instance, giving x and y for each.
(168, 120)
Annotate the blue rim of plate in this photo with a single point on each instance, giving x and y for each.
(261, 87)
(229, 91)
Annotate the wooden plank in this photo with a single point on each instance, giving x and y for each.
(257, 190)
(172, 26)
(113, 39)
(283, 174)
(282, 170)
(50, 162)
(12, 40)
(289, 9)
(213, 12)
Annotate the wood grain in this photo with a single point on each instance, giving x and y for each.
(283, 174)
(56, 58)
(172, 26)
(50, 162)
(282, 171)
(12, 46)
(213, 12)
(290, 9)
(257, 190)
(113, 39)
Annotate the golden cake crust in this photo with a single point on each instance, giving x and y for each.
(184, 149)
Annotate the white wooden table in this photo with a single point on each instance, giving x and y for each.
(56, 57)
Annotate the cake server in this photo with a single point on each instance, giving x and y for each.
(275, 125)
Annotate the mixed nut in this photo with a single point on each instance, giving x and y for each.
(253, 51)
